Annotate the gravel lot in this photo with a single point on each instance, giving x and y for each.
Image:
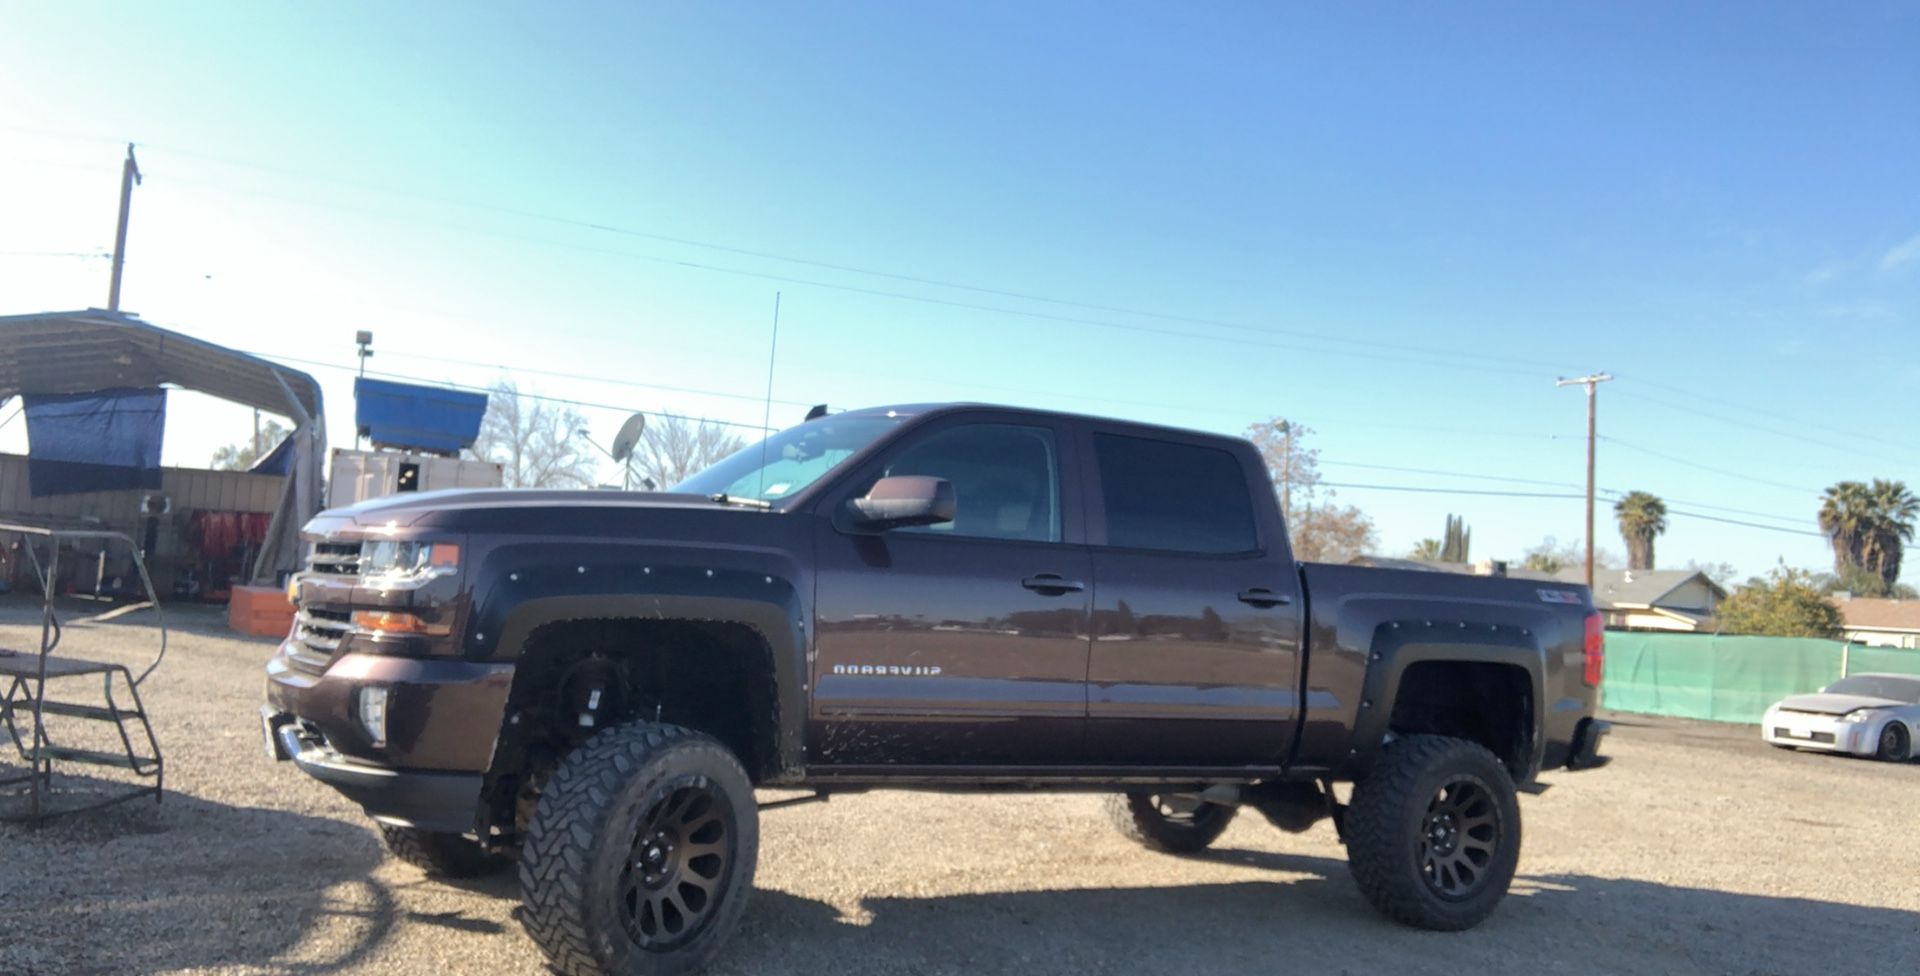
(1700, 850)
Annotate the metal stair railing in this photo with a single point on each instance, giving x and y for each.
(29, 675)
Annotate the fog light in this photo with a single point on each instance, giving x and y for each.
(373, 714)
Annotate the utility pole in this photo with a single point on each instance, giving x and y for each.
(1592, 383)
(363, 339)
(129, 176)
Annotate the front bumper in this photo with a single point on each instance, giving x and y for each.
(1824, 733)
(447, 802)
(1586, 745)
(443, 717)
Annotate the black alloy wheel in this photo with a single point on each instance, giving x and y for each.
(1459, 838)
(676, 872)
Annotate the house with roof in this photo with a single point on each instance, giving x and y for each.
(1677, 600)
(1880, 622)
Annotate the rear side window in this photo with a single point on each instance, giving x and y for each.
(1175, 497)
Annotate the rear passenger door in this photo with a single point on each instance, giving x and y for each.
(1196, 605)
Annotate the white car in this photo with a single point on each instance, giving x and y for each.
(1864, 714)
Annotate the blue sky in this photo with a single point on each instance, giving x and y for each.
(1395, 223)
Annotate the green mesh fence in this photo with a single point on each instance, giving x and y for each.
(1730, 679)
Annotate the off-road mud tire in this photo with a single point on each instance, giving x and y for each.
(442, 855)
(1388, 827)
(584, 842)
(1140, 818)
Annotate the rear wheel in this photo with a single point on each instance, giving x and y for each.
(1895, 745)
(640, 854)
(445, 855)
(1433, 833)
(1172, 823)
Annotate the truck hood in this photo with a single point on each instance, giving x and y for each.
(408, 508)
(1826, 704)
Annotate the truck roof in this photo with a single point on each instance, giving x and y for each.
(923, 409)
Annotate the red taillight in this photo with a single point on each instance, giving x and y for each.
(1596, 648)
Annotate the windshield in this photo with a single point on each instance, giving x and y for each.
(780, 466)
(1889, 686)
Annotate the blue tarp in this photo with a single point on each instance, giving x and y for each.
(423, 418)
(107, 440)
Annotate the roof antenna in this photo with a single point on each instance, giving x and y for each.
(766, 416)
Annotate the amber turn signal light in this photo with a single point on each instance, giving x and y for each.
(397, 622)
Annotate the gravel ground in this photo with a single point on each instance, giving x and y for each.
(1700, 850)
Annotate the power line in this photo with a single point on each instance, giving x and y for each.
(94, 255)
(1454, 491)
(448, 384)
(1751, 525)
(1568, 495)
(883, 293)
(1905, 446)
(619, 230)
(589, 378)
(1617, 442)
(1839, 448)
(1448, 474)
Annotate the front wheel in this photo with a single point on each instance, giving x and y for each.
(1895, 746)
(640, 854)
(1433, 832)
(1170, 823)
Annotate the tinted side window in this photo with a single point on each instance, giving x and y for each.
(1179, 497)
(1006, 480)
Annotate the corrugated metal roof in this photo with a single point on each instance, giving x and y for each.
(85, 351)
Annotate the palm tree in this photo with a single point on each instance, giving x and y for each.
(1846, 516)
(1642, 518)
(1894, 510)
(1428, 549)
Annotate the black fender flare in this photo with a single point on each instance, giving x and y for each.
(522, 588)
(1400, 644)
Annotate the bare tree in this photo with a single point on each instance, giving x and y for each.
(534, 441)
(673, 449)
(1321, 531)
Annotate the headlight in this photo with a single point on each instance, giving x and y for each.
(391, 563)
(1860, 715)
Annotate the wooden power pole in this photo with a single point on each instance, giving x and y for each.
(1591, 382)
(129, 176)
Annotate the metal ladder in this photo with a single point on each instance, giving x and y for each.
(27, 702)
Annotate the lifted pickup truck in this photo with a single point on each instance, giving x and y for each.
(947, 597)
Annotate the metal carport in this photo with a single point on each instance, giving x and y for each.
(94, 349)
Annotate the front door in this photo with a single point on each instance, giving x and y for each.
(963, 643)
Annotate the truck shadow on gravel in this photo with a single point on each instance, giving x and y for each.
(1310, 918)
(140, 888)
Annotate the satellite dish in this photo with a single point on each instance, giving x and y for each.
(629, 436)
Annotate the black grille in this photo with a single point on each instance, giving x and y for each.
(1786, 733)
(335, 558)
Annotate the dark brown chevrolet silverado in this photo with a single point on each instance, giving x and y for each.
(924, 597)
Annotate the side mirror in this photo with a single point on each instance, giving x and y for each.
(896, 503)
